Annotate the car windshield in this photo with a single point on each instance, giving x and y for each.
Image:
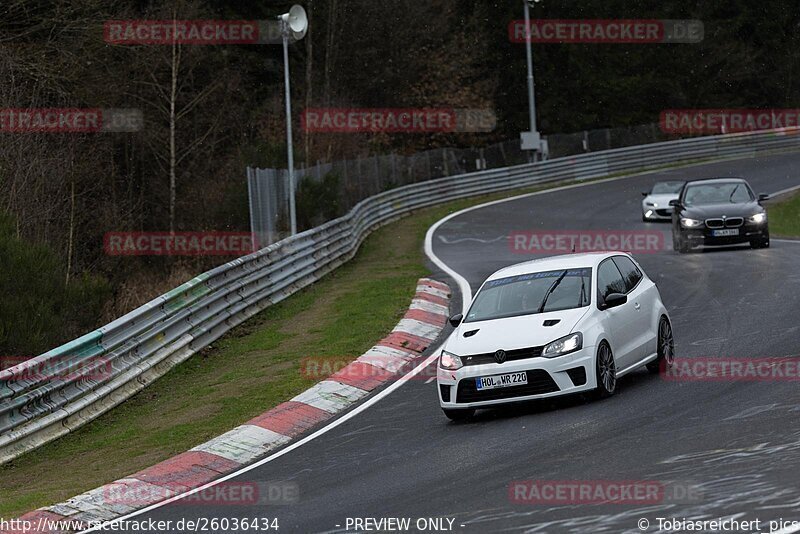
(525, 294)
(718, 193)
(666, 188)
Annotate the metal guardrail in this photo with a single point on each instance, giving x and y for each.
(141, 346)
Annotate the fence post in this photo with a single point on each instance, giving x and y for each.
(360, 184)
(378, 179)
(252, 214)
(430, 169)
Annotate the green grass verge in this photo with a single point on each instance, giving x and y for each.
(784, 217)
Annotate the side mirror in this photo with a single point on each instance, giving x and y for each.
(645, 193)
(674, 202)
(763, 196)
(455, 320)
(615, 299)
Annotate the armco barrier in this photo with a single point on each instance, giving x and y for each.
(386, 361)
(144, 344)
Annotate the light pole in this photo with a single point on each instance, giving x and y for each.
(296, 23)
(529, 57)
(531, 140)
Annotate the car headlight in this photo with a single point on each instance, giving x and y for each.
(758, 218)
(564, 345)
(450, 361)
(690, 223)
(652, 204)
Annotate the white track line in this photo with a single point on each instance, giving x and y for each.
(287, 450)
(466, 297)
(784, 191)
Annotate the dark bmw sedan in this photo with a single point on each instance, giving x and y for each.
(718, 211)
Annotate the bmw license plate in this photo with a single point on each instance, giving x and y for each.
(725, 233)
(501, 381)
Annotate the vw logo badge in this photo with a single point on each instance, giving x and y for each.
(500, 356)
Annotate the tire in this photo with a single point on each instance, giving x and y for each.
(605, 372)
(666, 348)
(460, 414)
(679, 244)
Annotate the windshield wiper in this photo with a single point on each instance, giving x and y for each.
(552, 288)
(583, 293)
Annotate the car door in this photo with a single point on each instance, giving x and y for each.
(642, 298)
(620, 321)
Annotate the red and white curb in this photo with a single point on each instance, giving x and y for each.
(421, 325)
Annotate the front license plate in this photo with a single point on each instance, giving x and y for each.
(724, 233)
(501, 381)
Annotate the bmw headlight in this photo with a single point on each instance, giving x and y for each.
(690, 223)
(450, 361)
(652, 204)
(563, 346)
(758, 218)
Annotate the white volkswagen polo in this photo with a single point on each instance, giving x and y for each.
(553, 326)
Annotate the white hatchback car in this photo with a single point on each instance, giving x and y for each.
(553, 326)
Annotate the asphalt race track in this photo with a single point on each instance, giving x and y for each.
(736, 443)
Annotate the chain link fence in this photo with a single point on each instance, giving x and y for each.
(328, 190)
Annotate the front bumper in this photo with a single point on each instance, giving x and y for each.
(747, 233)
(547, 377)
(656, 214)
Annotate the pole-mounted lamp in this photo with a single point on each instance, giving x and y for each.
(293, 24)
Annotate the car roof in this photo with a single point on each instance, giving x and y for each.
(551, 263)
(719, 180)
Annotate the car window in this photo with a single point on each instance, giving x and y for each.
(609, 280)
(524, 294)
(718, 193)
(666, 188)
(630, 273)
(573, 291)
